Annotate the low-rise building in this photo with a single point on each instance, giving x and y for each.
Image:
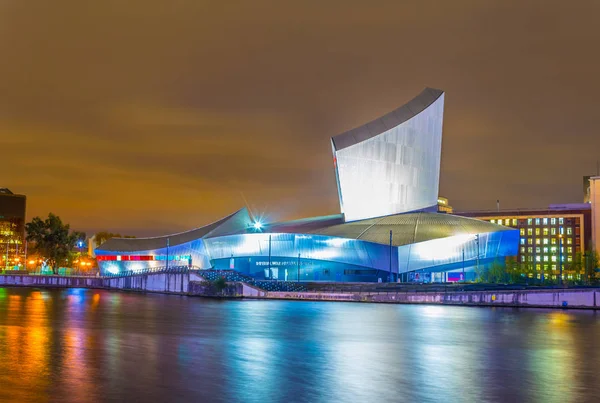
(552, 239)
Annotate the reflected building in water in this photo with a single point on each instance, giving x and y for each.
(388, 228)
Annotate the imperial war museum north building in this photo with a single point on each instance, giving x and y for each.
(387, 174)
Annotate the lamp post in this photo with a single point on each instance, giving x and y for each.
(463, 265)
(167, 264)
(391, 274)
(560, 259)
(477, 240)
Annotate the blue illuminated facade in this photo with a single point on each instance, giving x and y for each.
(392, 238)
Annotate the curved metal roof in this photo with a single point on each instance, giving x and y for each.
(234, 222)
(395, 118)
(406, 229)
(409, 228)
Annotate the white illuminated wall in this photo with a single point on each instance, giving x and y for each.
(395, 172)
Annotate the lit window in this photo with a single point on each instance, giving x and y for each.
(552, 231)
(522, 241)
(530, 258)
(538, 241)
(545, 258)
(538, 249)
(523, 259)
(570, 249)
(493, 221)
(553, 221)
(553, 241)
(514, 221)
(545, 221)
(554, 259)
(522, 231)
(561, 221)
(545, 241)
(569, 258)
(529, 221)
(538, 258)
(561, 230)
(538, 267)
(530, 241)
(569, 241)
(537, 231)
(529, 231)
(554, 266)
(545, 249)
(553, 249)
(500, 222)
(537, 221)
(545, 231)
(569, 231)
(530, 250)
(522, 249)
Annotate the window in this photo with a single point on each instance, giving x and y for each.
(514, 221)
(530, 258)
(553, 249)
(538, 258)
(530, 241)
(522, 249)
(553, 241)
(553, 221)
(538, 249)
(522, 241)
(530, 250)
(545, 231)
(552, 231)
(537, 231)
(561, 221)
(561, 230)
(523, 258)
(569, 258)
(529, 221)
(538, 267)
(569, 231)
(570, 249)
(546, 249)
(545, 241)
(545, 258)
(538, 241)
(553, 267)
(554, 258)
(493, 221)
(522, 231)
(529, 231)
(569, 241)
(545, 221)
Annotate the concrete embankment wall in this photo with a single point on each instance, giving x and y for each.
(548, 298)
(173, 283)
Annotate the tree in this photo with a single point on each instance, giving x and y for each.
(104, 236)
(52, 239)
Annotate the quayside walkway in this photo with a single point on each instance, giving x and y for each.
(182, 281)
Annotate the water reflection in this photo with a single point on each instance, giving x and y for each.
(89, 345)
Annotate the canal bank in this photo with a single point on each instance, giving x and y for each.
(192, 284)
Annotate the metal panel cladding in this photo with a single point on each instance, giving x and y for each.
(392, 165)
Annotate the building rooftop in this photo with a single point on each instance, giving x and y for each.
(395, 118)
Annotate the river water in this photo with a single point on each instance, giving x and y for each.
(89, 345)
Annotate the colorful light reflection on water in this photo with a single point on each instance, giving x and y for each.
(88, 345)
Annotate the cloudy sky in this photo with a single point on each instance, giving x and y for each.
(147, 116)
